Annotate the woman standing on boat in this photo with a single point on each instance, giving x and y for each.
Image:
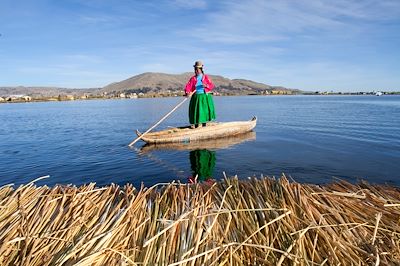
(201, 107)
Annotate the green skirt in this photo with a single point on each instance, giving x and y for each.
(201, 108)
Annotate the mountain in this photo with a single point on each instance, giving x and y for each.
(42, 92)
(151, 84)
(164, 83)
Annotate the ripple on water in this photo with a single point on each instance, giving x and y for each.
(311, 139)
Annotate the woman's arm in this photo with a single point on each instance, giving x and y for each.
(190, 86)
(208, 84)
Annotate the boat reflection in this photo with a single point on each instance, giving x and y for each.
(202, 154)
(213, 144)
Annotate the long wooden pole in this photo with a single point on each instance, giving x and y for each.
(162, 119)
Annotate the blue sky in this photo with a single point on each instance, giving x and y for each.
(310, 45)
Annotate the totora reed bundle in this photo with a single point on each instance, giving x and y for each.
(232, 222)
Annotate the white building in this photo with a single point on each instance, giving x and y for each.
(133, 96)
(27, 98)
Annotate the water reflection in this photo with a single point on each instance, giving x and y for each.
(213, 144)
(202, 154)
(202, 163)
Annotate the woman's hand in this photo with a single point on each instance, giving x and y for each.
(189, 94)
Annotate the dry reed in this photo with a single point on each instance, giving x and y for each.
(232, 222)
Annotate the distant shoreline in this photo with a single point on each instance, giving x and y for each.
(65, 99)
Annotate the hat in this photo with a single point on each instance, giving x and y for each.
(198, 64)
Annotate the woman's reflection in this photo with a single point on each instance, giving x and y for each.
(202, 163)
(202, 155)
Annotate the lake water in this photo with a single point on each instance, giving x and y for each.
(312, 139)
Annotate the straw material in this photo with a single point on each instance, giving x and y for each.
(213, 130)
(232, 222)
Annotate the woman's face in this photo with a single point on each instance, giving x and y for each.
(197, 70)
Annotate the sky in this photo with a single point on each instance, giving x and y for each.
(317, 45)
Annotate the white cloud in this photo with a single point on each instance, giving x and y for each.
(258, 21)
(244, 37)
(98, 19)
(299, 44)
(369, 9)
(69, 74)
(262, 21)
(325, 75)
(190, 4)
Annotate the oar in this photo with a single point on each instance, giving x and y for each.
(162, 119)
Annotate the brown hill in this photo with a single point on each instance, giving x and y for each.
(149, 83)
(38, 92)
(164, 83)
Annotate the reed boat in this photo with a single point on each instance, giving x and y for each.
(210, 144)
(186, 134)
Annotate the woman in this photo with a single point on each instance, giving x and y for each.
(201, 107)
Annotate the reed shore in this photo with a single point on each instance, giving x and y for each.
(261, 221)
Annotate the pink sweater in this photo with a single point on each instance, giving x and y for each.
(191, 85)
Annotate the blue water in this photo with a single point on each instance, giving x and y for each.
(312, 139)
